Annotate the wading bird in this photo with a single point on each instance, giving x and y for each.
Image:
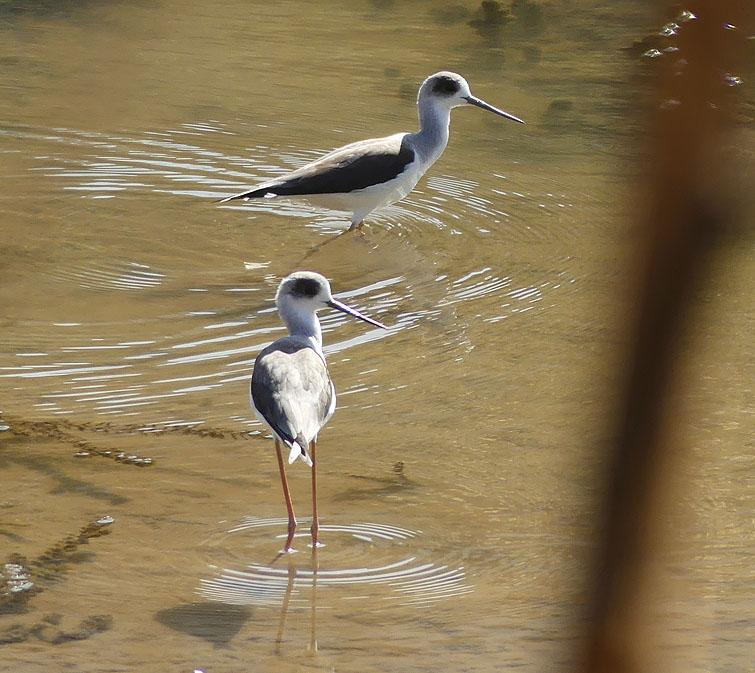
(291, 389)
(371, 174)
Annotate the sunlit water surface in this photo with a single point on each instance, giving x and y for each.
(456, 488)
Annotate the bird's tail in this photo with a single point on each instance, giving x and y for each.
(257, 193)
(299, 450)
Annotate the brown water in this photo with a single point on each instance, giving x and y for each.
(457, 476)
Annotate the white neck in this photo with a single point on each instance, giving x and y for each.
(432, 137)
(301, 321)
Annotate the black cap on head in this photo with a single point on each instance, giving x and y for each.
(306, 287)
(445, 85)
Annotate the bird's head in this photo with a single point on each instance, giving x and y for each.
(447, 89)
(308, 292)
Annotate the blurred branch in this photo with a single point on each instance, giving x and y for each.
(682, 224)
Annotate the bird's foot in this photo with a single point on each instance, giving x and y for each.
(314, 531)
(283, 552)
(287, 548)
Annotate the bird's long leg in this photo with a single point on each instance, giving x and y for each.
(356, 226)
(287, 496)
(315, 520)
(316, 248)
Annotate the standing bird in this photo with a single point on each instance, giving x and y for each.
(370, 174)
(291, 389)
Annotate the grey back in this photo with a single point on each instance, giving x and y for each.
(291, 389)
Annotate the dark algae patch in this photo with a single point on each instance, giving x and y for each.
(22, 579)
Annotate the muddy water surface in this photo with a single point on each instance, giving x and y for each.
(140, 496)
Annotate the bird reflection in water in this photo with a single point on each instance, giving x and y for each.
(292, 573)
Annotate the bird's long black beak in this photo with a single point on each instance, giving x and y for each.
(334, 303)
(473, 100)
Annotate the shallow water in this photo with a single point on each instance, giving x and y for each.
(456, 488)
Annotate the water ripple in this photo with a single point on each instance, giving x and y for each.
(184, 333)
(362, 565)
(113, 276)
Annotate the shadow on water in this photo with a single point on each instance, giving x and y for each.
(65, 484)
(214, 622)
(378, 487)
(220, 623)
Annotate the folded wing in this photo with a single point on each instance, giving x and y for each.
(291, 390)
(344, 170)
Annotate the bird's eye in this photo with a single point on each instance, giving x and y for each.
(446, 86)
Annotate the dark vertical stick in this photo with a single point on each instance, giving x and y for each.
(682, 220)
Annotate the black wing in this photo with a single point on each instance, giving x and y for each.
(344, 170)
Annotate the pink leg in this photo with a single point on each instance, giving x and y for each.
(287, 496)
(315, 520)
